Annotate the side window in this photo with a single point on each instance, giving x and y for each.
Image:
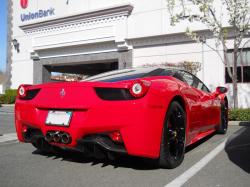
(205, 89)
(193, 81)
(188, 78)
(178, 76)
(200, 85)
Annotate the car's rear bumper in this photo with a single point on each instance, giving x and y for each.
(139, 121)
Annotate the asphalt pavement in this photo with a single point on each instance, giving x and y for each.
(7, 119)
(22, 165)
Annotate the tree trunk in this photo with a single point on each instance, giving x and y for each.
(234, 79)
(231, 72)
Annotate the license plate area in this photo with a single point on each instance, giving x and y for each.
(58, 118)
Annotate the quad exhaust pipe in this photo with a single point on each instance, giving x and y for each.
(58, 137)
(49, 136)
(65, 138)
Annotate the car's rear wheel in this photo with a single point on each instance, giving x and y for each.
(222, 129)
(173, 137)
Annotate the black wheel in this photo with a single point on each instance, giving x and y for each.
(173, 137)
(222, 129)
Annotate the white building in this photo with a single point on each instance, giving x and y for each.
(1, 89)
(91, 36)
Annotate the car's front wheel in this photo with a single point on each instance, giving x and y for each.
(173, 137)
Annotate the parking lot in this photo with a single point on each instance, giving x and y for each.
(219, 160)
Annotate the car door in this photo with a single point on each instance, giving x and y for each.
(193, 96)
(213, 108)
(207, 102)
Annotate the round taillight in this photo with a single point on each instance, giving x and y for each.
(22, 91)
(139, 88)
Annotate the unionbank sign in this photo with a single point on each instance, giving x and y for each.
(42, 13)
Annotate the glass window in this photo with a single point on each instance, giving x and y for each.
(247, 57)
(128, 74)
(227, 77)
(188, 78)
(230, 58)
(243, 69)
(205, 89)
(246, 74)
(200, 85)
(239, 75)
(174, 73)
(193, 81)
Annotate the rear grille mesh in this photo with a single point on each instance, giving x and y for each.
(114, 94)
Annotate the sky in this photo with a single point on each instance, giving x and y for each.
(3, 33)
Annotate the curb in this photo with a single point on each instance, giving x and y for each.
(7, 105)
(4, 112)
(8, 137)
(234, 123)
(239, 123)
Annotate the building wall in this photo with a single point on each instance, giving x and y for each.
(135, 37)
(1, 89)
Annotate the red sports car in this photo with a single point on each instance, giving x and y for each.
(148, 112)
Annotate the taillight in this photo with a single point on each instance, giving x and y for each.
(22, 91)
(139, 88)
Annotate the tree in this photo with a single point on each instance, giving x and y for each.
(229, 20)
(2, 77)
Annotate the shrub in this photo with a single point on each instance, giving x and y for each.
(239, 114)
(9, 97)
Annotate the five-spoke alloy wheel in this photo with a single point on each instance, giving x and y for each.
(173, 137)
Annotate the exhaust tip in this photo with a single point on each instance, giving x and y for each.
(65, 138)
(57, 137)
(49, 136)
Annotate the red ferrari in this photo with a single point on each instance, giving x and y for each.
(148, 112)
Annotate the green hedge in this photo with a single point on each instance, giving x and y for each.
(239, 114)
(9, 97)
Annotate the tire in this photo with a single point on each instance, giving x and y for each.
(173, 137)
(222, 129)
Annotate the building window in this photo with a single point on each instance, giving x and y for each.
(243, 69)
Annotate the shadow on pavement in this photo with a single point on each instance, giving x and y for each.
(238, 147)
(121, 161)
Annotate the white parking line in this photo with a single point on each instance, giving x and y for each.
(6, 113)
(180, 180)
(8, 137)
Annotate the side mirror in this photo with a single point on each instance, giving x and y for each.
(220, 90)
